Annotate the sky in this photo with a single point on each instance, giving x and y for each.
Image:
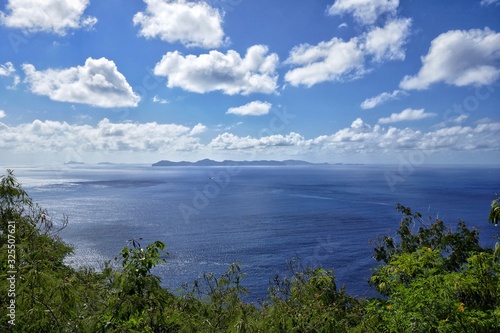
(341, 81)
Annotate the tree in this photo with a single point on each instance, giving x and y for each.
(494, 216)
(310, 302)
(46, 293)
(415, 233)
(135, 300)
(434, 280)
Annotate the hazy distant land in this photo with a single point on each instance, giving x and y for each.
(208, 162)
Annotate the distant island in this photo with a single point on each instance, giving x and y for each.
(73, 163)
(208, 162)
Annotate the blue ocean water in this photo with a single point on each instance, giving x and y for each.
(261, 217)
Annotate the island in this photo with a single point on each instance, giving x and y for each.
(74, 163)
(208, 162)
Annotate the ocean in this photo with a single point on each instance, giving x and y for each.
(262, 217)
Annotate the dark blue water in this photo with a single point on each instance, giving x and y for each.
(261, 217)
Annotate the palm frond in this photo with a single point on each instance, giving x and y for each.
(495, 212)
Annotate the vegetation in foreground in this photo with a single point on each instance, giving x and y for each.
(430, 278)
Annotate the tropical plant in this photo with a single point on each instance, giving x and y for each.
(48, 293)
(494, 216)
(309, 302)
(431, 278)
(434, 280)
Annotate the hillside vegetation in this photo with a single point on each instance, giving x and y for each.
(430, 279)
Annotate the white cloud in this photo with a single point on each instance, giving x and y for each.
(53, 16)
(459, 58)
(460, 118)
(55, 136)
(159, 100)
(387, 43)
(97, 83)
(223, 127)
(489, 2)
(361, 138)
(453, 121)
(198, 129)
(191, 23)
(9, 70)
(364, 11)
(215, 71)
(229, 141)
(255, 108)
(358, 139)
(338, 60)
(406, 115)
(334, 60)
(372, 102)
(2, 114)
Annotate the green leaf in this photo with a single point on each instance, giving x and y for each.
(494, 216)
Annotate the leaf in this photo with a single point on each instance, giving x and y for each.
(495, 212)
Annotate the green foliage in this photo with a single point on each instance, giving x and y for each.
(46, 290)
(134, 296)
(425, 297)
(431, 278)
(494, 216)
(214, 304)
(310, 302)
(455, 245)
(435, 280)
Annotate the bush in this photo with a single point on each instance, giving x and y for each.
(434, 280)
(430, 278)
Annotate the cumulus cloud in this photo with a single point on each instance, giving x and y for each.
(8, 70)
(53, 16)
(406, 115)
(191, 23)
(387, 43)
(338, 60)
(364, 11)
(198, 129)
(372, 102)
(229, 141)
(159, 100)
(459, 58)
(335, 60)
(106, 136)
(358, 138)
(454, 121)
(255, 108)
(2, 114)
(460, 119)
(215, 71)
(97, 83)
(363, 138)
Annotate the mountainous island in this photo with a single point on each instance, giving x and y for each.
(74, 163)
(208, 162)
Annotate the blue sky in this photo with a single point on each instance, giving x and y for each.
(380, 81)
